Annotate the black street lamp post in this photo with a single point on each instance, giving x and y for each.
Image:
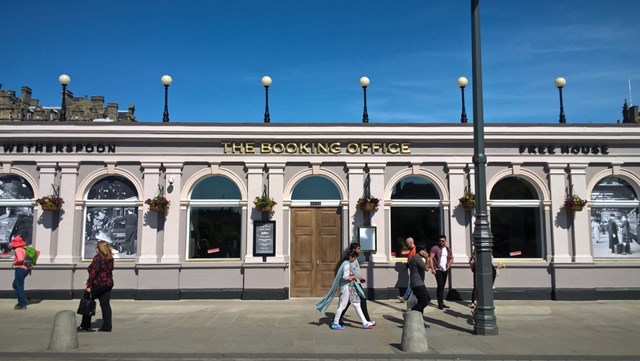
(64, 80)
(462, 82)
(364, 83)
(266, 82)
(485, 318)
(560, 83)
(166, 81)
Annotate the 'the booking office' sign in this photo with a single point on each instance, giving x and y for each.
(316, 148)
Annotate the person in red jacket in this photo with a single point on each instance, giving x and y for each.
(99, 286)
(21, 271)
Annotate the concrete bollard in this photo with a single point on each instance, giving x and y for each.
(414, 336)
(64, 335)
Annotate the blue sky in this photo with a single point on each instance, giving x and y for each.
(315, 51)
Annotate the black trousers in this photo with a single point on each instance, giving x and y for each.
(474, 293)
(441, 281)
(103, 294)
(423, 298)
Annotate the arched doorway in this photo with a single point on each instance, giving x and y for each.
(315, 236)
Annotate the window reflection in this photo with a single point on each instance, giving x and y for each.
(516, 228)
(215, 221)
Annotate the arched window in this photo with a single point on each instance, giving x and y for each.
(16, 212)
(215, 219)
(111, 215)
(516, 219)
(614, 219)
(415, 212)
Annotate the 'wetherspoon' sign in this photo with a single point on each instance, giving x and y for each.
(315, 148)
(59, 148)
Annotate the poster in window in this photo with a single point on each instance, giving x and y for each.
(264, 238)
(16, 212)
(614, 219)
(116, 225)
(614, 232)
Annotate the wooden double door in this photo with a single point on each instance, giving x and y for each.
(315, 250)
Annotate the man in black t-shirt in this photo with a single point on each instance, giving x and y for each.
(417, 267)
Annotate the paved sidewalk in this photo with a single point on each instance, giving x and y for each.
(293, 329)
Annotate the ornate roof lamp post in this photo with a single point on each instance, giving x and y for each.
(266, 83)
(64, 80)
(485, 318)
(462, 82)
(166, 81)
(560, 83)
(364, 83)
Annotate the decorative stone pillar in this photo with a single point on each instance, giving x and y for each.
(376, 177)
(148, 238)
(355, 177)
(254, 189)
(65, 244)
(580, 227)
(276, 187)
(560, 235)
(42, 239)
(172, 234)
(461, 219)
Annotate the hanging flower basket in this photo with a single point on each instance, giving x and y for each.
(368, 203)
(576, 208)
(158, 204)
(468, 201)
(156, 209)
(369, 207)
(574, 203)
(50, 203)
(264, 203)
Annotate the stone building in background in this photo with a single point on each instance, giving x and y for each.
(24, 107)
(630, 113)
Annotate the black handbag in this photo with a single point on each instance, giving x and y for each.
(87, 306)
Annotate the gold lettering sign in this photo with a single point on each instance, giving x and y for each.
(316, 148)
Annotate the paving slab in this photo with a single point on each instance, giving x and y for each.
(293, 330)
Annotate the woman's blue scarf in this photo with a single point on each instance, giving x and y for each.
(324, 303)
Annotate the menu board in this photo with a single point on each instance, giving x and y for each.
(367, 238)
(264, 238)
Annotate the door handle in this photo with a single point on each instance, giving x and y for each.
(318, 261)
